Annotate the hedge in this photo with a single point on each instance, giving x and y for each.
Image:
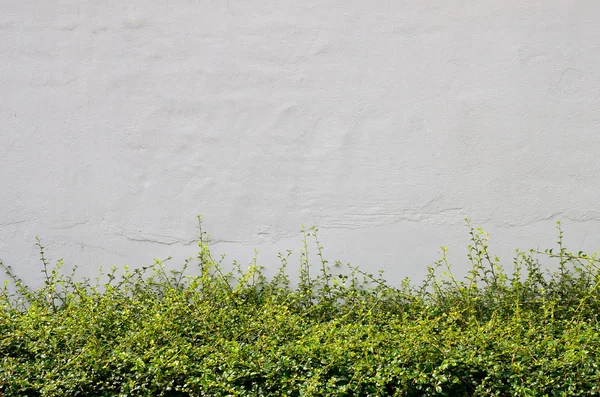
(334, 330)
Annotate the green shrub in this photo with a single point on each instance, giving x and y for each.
(338, 331)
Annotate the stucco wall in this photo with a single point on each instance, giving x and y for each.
(383, 122)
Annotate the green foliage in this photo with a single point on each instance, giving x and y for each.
(338, 331)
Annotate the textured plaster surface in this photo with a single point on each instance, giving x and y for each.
(385, 123)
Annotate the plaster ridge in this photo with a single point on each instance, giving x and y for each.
(15, 222)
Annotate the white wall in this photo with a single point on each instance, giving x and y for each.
(383, 122)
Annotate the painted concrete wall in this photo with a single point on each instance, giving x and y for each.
(383, 122)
